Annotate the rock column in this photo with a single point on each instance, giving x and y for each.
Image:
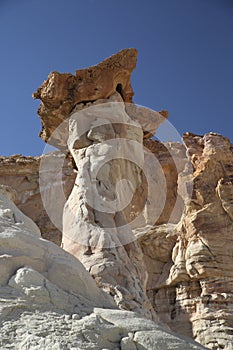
(107, 147)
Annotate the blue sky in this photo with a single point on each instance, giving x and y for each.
(185, 62)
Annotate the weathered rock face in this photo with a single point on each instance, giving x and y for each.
(49, 301)
(35, 179)
(94, 131)
(207, 236)
(190, 264)
(95, 228)
(21, 246)
(151, 222)
(23, 175)
(105, 138)
(178, 301)
(171, 162)
(60, 93)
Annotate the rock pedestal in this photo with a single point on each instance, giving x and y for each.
(163, 250)
(109, 156)
(105, 139)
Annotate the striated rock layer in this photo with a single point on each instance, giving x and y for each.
(23, 175)
(190, 264)
(197, 305)
(31, 177)
(95, 228)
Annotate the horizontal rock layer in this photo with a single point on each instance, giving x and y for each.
(23, 175)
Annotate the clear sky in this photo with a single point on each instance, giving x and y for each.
(185, 62)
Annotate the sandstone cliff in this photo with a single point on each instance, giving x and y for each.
(23, 175)
(151, 222)
(49, 301)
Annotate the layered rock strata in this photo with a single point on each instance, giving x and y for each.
(180, 302)
(31, 177)
(31, 181)
(190, 264)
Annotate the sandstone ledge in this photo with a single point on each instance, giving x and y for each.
(61, 92)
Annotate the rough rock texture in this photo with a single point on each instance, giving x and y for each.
(21, 246)
(60, 93)
(23, 175)
(95, 228)
(31, 177)
(104, 136)
(107, 146)
(48, 300)
(171, 161)
(190, 264)
(152, 225)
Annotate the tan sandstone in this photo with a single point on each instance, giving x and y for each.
(49, 301)
(23, 175)
(190, 264)
(150, 221)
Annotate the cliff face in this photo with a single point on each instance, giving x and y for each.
(151, 222)
(49, 301)
(23, 175)
(190, 273)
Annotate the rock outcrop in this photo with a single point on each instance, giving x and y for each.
(104, 135)
(30, 184)
(95, 227)
(206, 242)
(49, 301)
(36, 181)
(60, 93)
(190, 264)
(151, 222)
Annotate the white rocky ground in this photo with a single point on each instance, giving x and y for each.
(49, 301)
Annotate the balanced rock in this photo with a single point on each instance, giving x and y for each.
(151, 223)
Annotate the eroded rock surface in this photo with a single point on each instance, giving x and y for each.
(105, 138)
(60, 93)
(36, 180)
(190, 264)
(31, 180)
(95, 228)
(48, 300)
(22, 246)
(153, 225)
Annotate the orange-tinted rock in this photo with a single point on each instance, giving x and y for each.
(60, 93)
